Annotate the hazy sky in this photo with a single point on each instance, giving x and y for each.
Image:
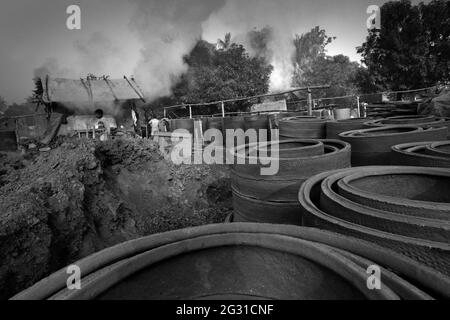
(32, 31)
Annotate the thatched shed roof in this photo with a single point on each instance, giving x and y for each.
(89, 90)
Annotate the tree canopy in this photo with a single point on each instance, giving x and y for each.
(338, 71)
(216, 74)
(412, 48)
(309, 47)
(315, 67)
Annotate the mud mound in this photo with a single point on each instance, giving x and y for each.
(83, 196)
(163, 195)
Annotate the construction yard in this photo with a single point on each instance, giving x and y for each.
(82, 196)
(224, 150)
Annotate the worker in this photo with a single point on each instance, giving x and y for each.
(101, 129)
(154, 125)
(135, 118)
(100, 125)
(164, 125)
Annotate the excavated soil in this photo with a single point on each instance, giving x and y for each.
(82, 196)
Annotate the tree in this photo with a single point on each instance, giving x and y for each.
(411, 49)
(364, 81)
(314, 67)
(221, 74)
(436, 23)
(338, 71)
(309, 47)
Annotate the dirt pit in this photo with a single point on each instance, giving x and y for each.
(82, 196)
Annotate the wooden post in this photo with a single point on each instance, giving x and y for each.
(165, 115)
(190, 112)
(16, 132)
(222, 105)
(358, 107)
(310, 106)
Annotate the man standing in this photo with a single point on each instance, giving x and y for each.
(100, 126)
(154, 125)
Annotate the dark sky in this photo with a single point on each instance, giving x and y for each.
(31, 31)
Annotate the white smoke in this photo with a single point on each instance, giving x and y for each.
(97, 55)
(52, 68)
(239, 17)
(100, 55)
(168, 31)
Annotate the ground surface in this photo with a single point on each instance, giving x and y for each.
(82, 196)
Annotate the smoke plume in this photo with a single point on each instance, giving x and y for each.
(275, 19)
(168, 30)
(52, 68)
(99, 54)
(165, 31)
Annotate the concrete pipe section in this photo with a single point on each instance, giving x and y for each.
(416, 120)
(373, 146)
(424, 154)
(403, 120)
(186, 124)
(257, 122)
(422, 193)
(439, 149)
(234, 123)
(306, 127)
(378, 205)
(335, 127)
(214, 123)
(273, 198)
(244, 261)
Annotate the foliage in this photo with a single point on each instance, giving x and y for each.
(338, 71)
(364, 81)
(314, 67)
(219, 74)
(309, 47)
(15, 109)
(412, 48)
